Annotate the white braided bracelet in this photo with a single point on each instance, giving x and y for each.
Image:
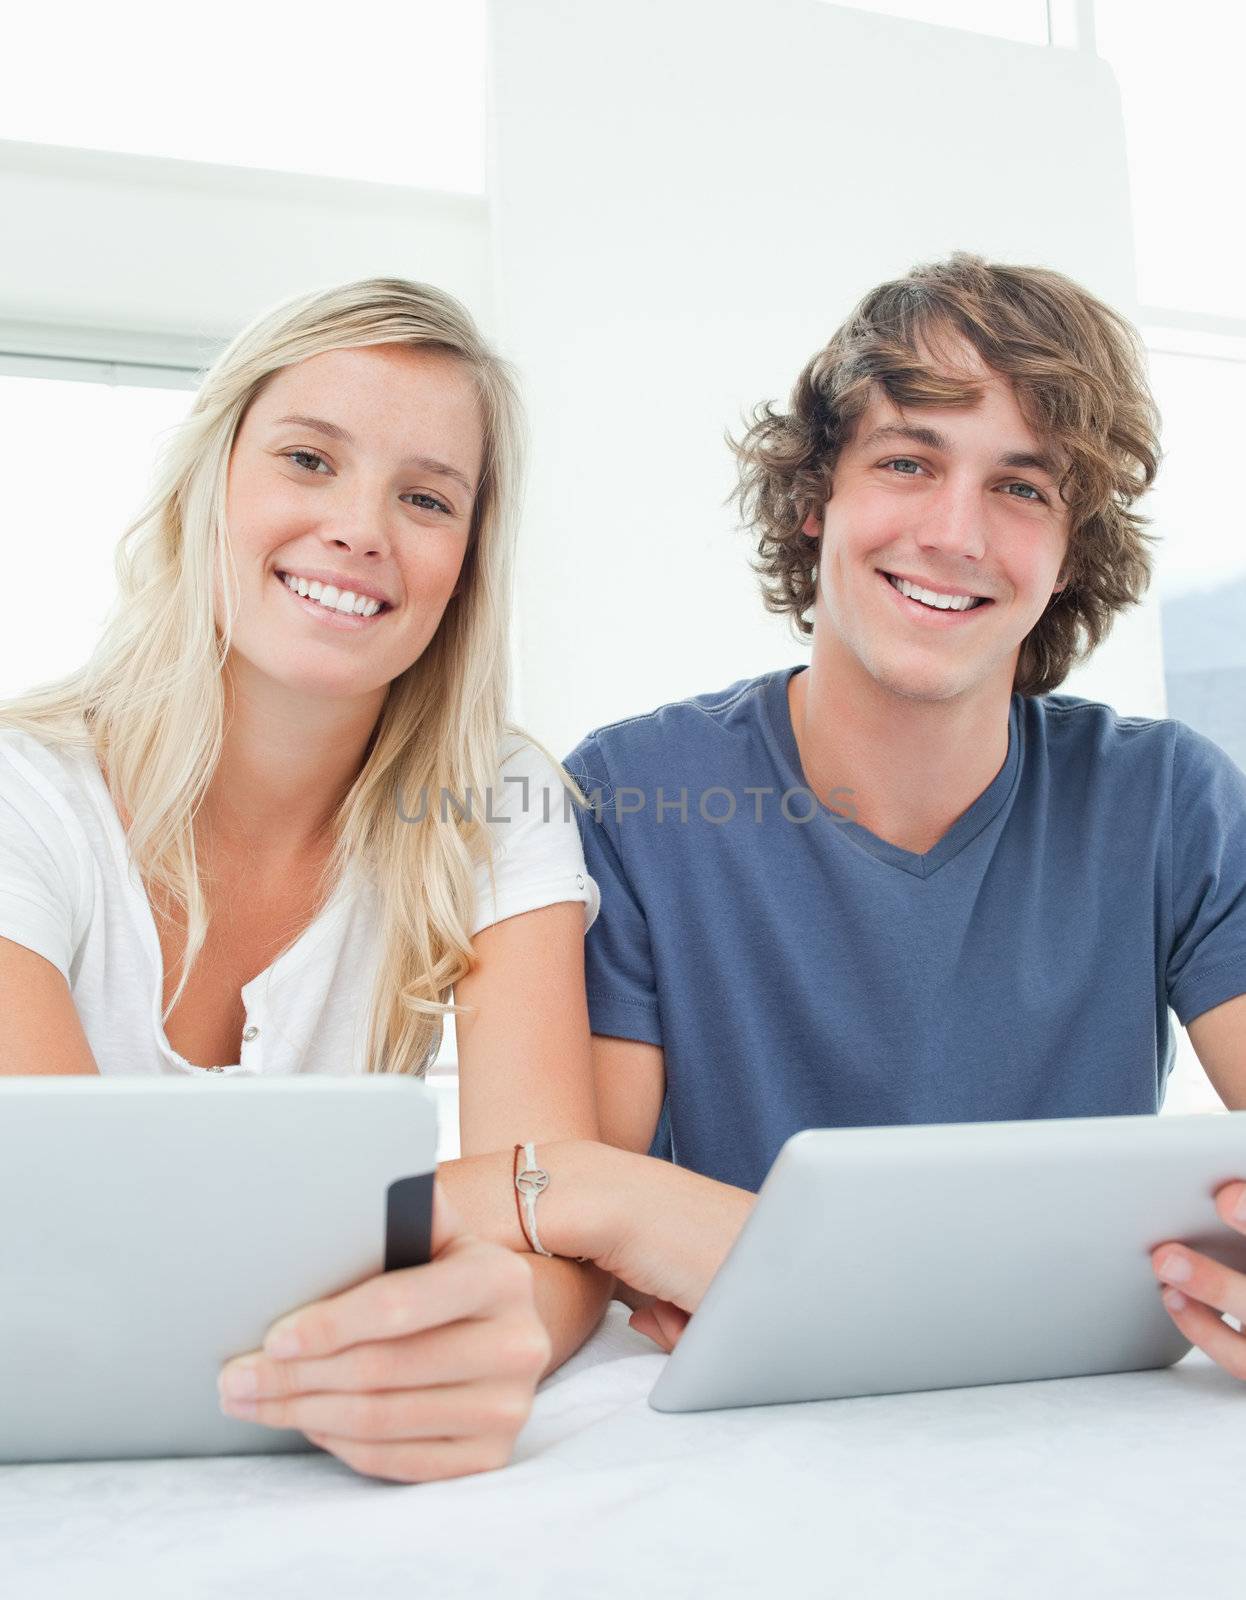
(529, 1183)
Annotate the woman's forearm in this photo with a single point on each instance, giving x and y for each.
(570, 1298)
(570, 1301)
(579, 1208)
(661, 1229)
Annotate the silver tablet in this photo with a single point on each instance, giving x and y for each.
(154, 1228)
(879, 1260)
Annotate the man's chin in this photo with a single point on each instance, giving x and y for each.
(925, 684)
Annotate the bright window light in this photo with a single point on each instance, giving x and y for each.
(1201, 566)
(80, 458)
(1179, 70)
(1025, 20)
(374, 90)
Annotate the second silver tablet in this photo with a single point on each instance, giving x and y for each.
(887, 1259)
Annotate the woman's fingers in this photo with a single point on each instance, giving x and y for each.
(448, 1223)
(469, 1278)
(417, 1462)
(459, 1352)
(467, 1410)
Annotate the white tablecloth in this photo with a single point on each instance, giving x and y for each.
(1131, 1485)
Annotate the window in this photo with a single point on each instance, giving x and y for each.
(1201, 565)
(84, 452)
(1025, 20)
(1179, 70)
(389, 93)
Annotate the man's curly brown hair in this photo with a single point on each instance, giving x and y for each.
(1078, 371)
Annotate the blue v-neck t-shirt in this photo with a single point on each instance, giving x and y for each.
(800, 972)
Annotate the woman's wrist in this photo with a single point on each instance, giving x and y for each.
(580, 1213)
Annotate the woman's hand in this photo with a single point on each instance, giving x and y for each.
(423, 1373)
(661, 1230)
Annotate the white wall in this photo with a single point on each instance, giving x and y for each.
(678, 223)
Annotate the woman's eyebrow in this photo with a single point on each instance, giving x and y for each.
(331, 430)
(934, 440)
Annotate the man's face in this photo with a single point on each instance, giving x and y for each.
(962, 501)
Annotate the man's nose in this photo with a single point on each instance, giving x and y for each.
(954, 520)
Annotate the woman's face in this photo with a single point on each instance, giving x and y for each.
(351, 482)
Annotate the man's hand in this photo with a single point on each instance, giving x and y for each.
(423, 1373)
(660, 1321)
(1201, 1289)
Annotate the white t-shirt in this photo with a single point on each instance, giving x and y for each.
(70, 891)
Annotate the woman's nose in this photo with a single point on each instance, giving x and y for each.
(359, 525)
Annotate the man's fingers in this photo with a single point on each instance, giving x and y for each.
(470, 1279)
(1198, 1277)
(645, 1322)
(672, 1320)
(1231, 1205)
(460, 1352)
(1203, 1327)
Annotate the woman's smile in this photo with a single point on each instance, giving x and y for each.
(331, 606)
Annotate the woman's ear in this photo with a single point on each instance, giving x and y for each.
(811, 527)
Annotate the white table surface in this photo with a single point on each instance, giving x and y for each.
(1130, 1485)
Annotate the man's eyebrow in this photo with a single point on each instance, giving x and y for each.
(934, 440)
(332, 430)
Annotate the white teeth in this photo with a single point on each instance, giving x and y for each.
(928, 597)
(345, 601)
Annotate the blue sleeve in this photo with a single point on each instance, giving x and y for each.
(622, 991)
(1207, 956)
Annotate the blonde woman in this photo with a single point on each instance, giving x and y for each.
(277, 818)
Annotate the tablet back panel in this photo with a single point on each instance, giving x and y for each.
(879, 1260)
(153, 1229)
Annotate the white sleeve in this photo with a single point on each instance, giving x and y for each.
(40, 879)
(538, 859)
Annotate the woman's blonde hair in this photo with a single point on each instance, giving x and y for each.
(1078, 370)
(151, 700)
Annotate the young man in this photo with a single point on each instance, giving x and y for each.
(908, 883)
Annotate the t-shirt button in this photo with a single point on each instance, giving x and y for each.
(579, 880)
(250, 1033)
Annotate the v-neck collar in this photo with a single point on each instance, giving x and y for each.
(963, 830)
